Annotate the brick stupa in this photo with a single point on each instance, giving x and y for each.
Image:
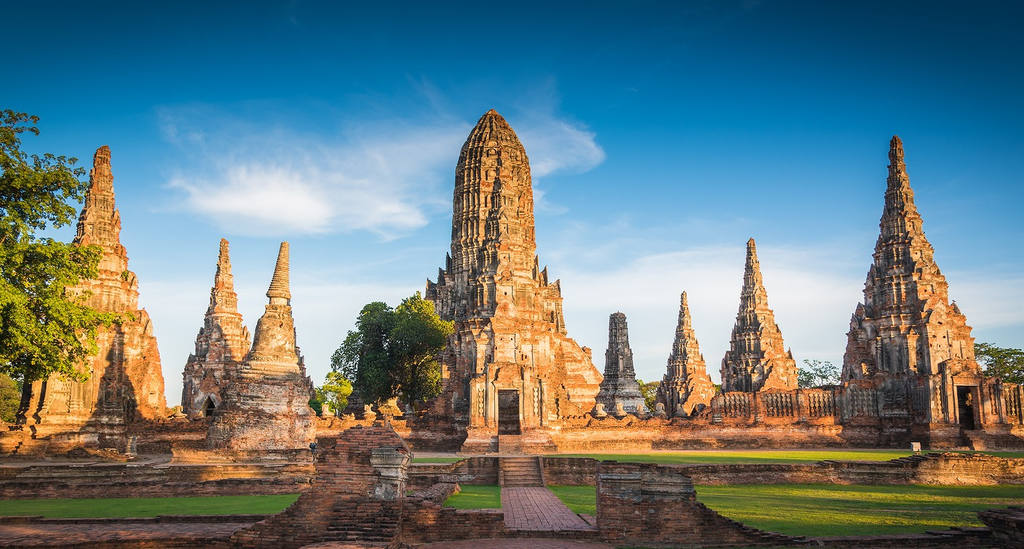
(265, 403)
(125, 382)
(686, 386)
(510, 343)
(757, 359)
(221, 345)
(619, 386)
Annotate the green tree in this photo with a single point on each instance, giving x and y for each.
(649, 392)
(394, 352)
(1004, 363)
(334, 393)
(816, 373)
(43, 329)
(10, 398)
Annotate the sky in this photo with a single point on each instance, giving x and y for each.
(661, 136)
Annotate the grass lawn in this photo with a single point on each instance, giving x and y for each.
(147, 507)
(475, 497)
(835, 510)
(761, 456)
(436, 459)
(579, 499)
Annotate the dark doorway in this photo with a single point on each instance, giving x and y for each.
(508, 412)
(965, 406)
(209, 407)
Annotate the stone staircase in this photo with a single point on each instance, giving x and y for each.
(521, 471)
(375, 522)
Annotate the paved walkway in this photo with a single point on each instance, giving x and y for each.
(37, 534)
(536, 508)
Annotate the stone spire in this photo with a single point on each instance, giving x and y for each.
(125, 381)
(756, 359)
(686, 385)
(273, 346)
(221, 344)
(265, 403)
(619, 385)
(278, 289)
(508, 313)
(906, 324)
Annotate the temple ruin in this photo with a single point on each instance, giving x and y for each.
(619, 392)
(909, 343)
(757, 359)
(511, 368)
(686, 387)
(266, 402)
(221, 344)
(125, 382)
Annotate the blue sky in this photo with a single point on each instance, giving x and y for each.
(661, 135)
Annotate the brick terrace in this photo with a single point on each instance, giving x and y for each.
(535, 508)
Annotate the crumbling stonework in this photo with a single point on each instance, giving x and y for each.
(510, 365)
(220, 346)
(619, 388)
(125, 382)
(266, 403)
(757, 359)
(907, 341)
(686, 387)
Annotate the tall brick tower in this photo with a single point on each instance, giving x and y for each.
(125, 380)
(757, 358)
(510, 365)
(686, 386)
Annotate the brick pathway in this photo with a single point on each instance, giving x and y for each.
(38, 534)
(536, 508)
(509, 543)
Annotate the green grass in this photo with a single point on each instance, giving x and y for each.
(835, 510)
(579, 499)
(761, 456)
(436, 459)
(147, 507)
(476, 497)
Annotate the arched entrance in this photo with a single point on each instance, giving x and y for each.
(209, 407)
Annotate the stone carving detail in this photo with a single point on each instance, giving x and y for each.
(266, 403)
(507, 313)
(686, 387)
(757, 359)
(619, 385)
(220, 346)
(906, 325)
(125, 378)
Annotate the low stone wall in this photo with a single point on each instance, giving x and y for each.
(943, 469)
(480, 470)
(425, 519)
(70, 480)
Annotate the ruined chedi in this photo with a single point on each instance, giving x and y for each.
(221, 344)
(906, 336)
(125, 382)
(619, 389)
(509, 360)
(757, 359)
(265, 403)
(686, 387)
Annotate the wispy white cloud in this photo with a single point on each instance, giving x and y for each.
(386, 176)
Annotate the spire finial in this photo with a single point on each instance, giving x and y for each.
(682, 299)
(223, 277)
(101, 175)
(279, 284)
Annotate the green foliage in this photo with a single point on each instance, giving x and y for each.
(10, 398)
(472, 496)
(43, 330)
(334, 392)
(1006, 364)
(649, 392)
(394, 352)
(816, 373)
(147, 507)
